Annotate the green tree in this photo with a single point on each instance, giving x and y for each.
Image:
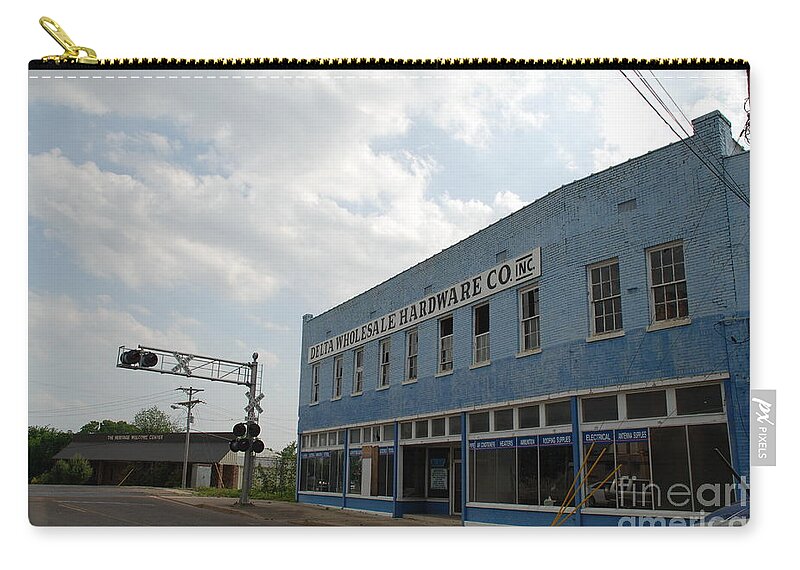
(153, 420)
(109, 426)
(43, 443)
(277, 479)
(73, 471)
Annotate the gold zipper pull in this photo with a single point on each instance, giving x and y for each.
(72, 52)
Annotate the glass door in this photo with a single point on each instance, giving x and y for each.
(455, 496)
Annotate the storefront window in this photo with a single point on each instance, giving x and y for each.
(504, 420)
(354, 478)
(479, 423)
(413, 472)
(605, 495)
(711, 479)
(646, 404)
(336, 466)
(385, 472)
(555, 473)
(633, 483)
(529, 417)
(669, 455)
(321, 471)
(699, 400)
(599, 409)
(494, 475)
(528, 473)
(558, 413)
(439, 472)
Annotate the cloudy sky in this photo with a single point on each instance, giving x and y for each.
(207, 212)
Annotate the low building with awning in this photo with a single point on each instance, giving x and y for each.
(157, 459)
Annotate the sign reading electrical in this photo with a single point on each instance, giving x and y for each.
(508, 274)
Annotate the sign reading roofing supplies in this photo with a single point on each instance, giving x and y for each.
(498, 278)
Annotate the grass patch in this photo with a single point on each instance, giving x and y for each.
(235, 493)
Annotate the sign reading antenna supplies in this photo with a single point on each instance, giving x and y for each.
(500, 277)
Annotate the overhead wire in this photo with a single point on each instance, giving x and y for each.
(105, 407)
(691, 235)
(732, 186)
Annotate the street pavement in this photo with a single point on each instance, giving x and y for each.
(79, 505)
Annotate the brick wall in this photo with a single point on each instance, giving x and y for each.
(676, 198)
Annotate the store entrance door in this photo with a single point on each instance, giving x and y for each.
(455, 493)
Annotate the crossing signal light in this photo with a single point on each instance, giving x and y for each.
(142, 358)
(246, 434)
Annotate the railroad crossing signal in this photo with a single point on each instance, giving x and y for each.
(253, 405)
(144, 359)
(246, 434)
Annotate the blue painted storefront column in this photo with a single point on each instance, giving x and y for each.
(734, 439)
(297, 471)
(576, 456)
(464, 470)
(346, 468)
(396, 479)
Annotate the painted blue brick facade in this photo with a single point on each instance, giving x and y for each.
(665, 196)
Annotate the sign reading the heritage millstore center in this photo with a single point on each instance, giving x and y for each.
(503, 276)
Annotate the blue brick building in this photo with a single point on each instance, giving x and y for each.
(589, 350)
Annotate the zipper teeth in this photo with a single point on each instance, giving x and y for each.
(427, 63)
(392, 63)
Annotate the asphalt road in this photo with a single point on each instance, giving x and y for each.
(87, 505)
(77, 505)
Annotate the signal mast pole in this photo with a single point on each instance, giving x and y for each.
(217, 370)
(247, 479)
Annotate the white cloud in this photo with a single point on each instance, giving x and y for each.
(299, 192)
(72, 350)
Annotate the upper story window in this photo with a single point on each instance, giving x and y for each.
(412, 348)
(315, 384)
(480, 344)
(529, 320)
(445, 345)
(605, 298)
(668, 296)
(358, 371)
(383, 373)
(337, 377)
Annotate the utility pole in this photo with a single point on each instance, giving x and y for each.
(189, 405)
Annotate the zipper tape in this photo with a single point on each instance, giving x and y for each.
(76, 57)
(390, 63)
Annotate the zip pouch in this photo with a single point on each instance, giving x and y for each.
(450, 291)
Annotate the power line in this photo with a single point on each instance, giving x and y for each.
(710, 166)
(104, 407)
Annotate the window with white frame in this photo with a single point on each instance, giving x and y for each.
(358, 371)
(412, 348)
(383, 374)
(668, 296)
(337, 377)
(605, 298)
(529, 320)
(315, 384)
(445, 345)
(480, 339)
